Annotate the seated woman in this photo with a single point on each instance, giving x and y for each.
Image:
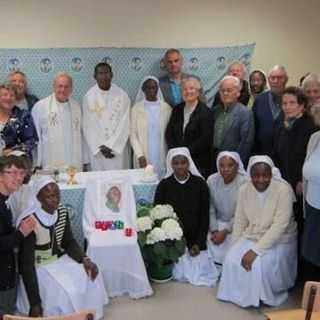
(262, 261)
(16, 126)
(58, 277)
(224, 188)
(149, 118)
(185, 190)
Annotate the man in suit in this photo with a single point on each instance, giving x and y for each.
(233, 122)
(267, 109)
(170, 84)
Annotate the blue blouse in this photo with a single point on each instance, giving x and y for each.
(19, 133)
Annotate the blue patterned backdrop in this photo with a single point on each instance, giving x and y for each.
(130, 66)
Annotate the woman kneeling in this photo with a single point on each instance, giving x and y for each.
(261, 264)
(186, 191)
(224, 188)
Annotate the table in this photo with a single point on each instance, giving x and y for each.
(73, 196)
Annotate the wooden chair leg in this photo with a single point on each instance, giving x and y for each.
(312, 295)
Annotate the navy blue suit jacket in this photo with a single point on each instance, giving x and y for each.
(264, 124)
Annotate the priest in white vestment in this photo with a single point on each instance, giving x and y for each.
(106, 110)
(58, 122)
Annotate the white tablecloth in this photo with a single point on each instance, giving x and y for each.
(121, 265)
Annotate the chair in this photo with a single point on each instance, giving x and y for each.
(81, 315)
(110, 209)
(309, 309)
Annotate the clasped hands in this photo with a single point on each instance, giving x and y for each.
(218, 237)
(106, 152)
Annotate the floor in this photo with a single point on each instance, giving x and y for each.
(175, 300)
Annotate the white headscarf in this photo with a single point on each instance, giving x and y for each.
(274, 170)
(34, 207)
(267, 160)
(235, 156)
(141, 96)
(182, 151)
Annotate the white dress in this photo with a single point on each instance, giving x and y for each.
(65, 288)
(263, 223)
(199, 270)
(223, 201)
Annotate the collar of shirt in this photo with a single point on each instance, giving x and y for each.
(182, 181)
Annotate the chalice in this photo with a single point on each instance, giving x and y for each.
(71, 171)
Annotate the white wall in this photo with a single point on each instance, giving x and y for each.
(285, 31)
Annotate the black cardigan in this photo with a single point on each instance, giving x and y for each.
(9, 240)
(190, 201)
(290, 146)
(197, 136)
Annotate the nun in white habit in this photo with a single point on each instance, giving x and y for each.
(224, 188)
(149, 118)
(261, 264)
(58, 278)
(186, 191)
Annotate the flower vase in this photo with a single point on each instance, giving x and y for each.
(160, 274)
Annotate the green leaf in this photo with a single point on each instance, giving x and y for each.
(142, 239)
(143, 212)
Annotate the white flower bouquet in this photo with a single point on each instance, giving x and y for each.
(160, 235)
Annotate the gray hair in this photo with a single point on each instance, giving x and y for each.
(63, 75)
(278, 67)
(238, 63)
(234, 79)
(311, 78)
(315, 113)
(193, 80)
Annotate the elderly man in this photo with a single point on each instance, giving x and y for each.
(267, 109)
(58, 122)
(24, 100)
(238, 70)
(106, 109)
(311, 88)
(170, 84)
(233, 122)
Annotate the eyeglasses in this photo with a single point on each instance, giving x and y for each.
(15, 172)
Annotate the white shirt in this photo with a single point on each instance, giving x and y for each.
(311, 172)
(154, 135)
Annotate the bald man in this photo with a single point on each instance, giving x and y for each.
(267, 110)
(233, 122)
(58, 122)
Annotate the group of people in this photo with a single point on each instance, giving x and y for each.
(242, 226)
